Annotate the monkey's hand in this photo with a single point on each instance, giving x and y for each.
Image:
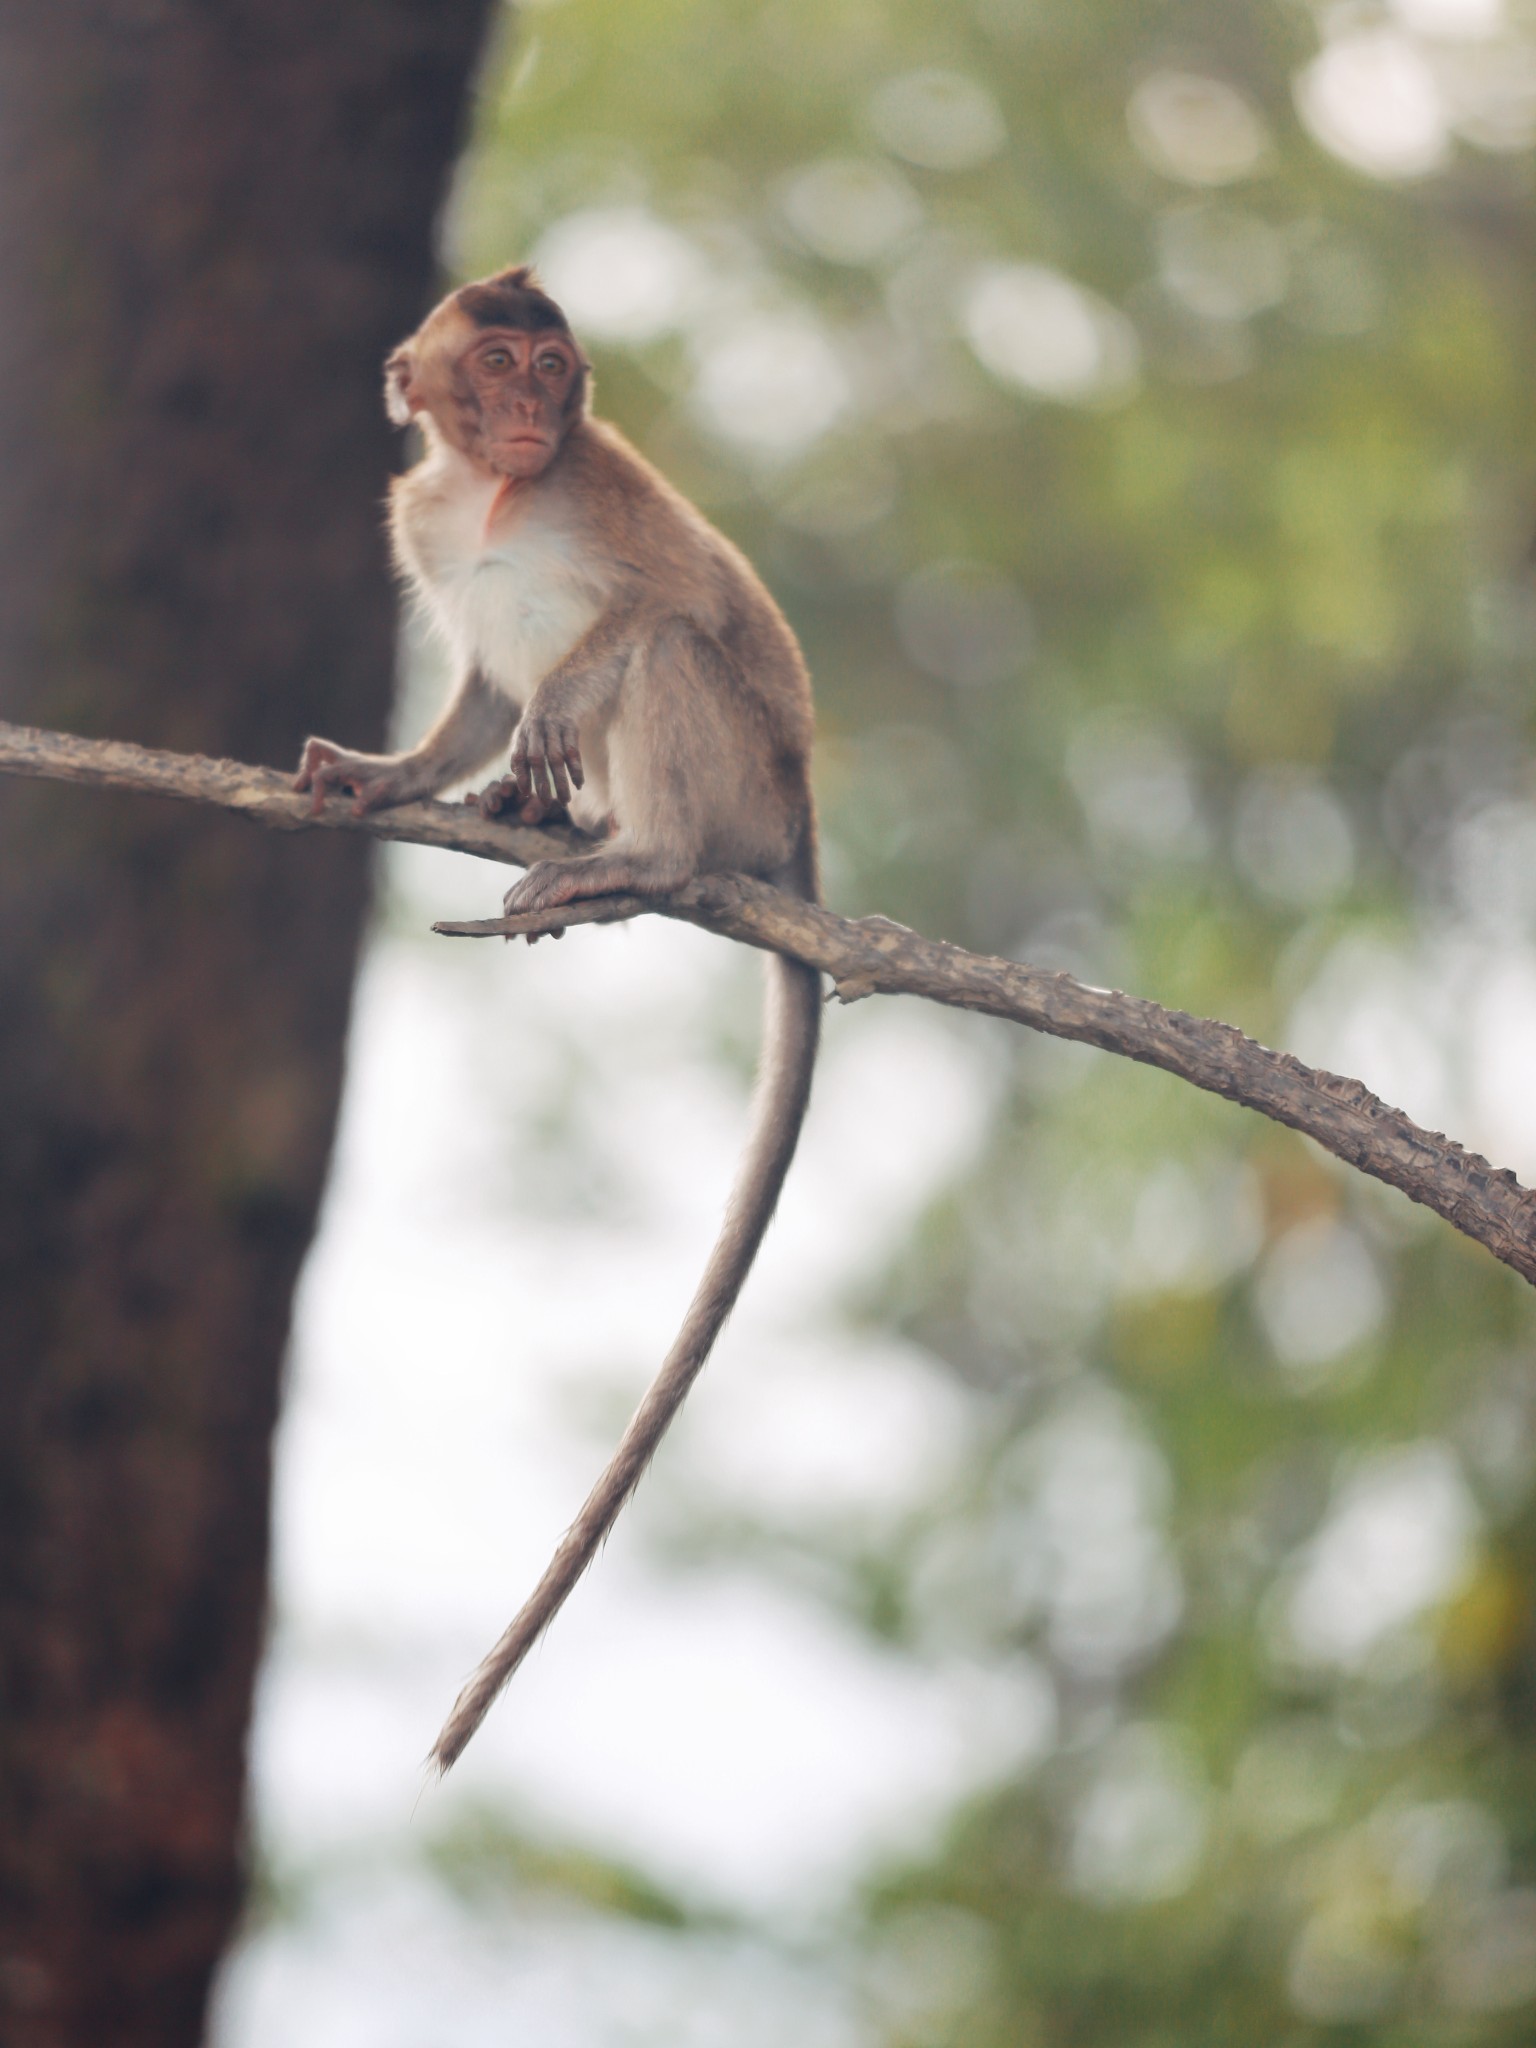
(372, 780)
(546, 757)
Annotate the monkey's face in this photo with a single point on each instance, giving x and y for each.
(504, 396)
(521, 387)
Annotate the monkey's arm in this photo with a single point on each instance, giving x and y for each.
(476, 724)
(546, 753)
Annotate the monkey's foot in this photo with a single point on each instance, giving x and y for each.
(550, 883)
(502, 799)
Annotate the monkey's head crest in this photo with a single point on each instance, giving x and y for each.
(512, 298)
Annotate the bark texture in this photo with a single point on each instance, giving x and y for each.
(215, 218)
(874, 956)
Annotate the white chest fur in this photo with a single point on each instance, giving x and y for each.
(508, 585)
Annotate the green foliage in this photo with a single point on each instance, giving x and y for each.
(481, 1857)
(1150, 489)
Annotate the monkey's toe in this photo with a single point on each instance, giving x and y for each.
(500, 799)
(496, 797)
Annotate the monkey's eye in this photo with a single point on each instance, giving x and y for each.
(497, 359)
(551, 363)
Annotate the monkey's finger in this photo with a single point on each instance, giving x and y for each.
(314, 756)
(522, 775)
(335, 775)
(315, 783)
(558, 776)
(569, 750)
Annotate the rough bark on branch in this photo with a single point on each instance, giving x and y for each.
(873, 956)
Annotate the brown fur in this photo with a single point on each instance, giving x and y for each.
(656, 691)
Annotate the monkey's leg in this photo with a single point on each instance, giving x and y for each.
(477, 721)
(666, 747)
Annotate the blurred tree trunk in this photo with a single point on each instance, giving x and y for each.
(214, 221)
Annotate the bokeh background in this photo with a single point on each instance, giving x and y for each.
(1089, 1599)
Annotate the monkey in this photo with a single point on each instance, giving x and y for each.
(652, 693)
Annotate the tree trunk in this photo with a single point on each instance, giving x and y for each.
(214, 220)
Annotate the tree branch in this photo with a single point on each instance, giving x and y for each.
(873, 956)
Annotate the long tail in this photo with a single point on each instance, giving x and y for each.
(792, 1025)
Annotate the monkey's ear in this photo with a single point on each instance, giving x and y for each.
(578, 400)
(400, 400)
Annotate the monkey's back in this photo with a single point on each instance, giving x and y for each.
(653, 534)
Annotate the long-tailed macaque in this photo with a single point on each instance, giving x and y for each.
(650, 688)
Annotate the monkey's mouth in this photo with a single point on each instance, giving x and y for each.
(521, 452)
